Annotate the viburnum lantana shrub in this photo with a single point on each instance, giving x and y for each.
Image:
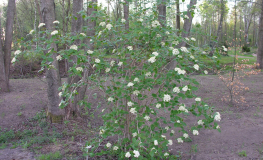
(143, 92)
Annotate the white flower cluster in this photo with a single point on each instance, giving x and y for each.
(180, 140)
(197, 99)
(205, 71)
(130, 48)
(13, 60)
(186, 17)
(175, 42)
(110, 99)
(182, 108)
(107, 70)
(166, 98)
(79, 69)
(195, 132)
(217, 117)
(148, 74)
(120, 64)
(83, 34)
(136, 92)
(41, 25)
(74, 47)
(155, 24)
(147, 118)
(32, 31)
(109, 26)
(176, 89)
(130, 103)
(224, 48)
(158, 105)
(184, 49)
(193, 39)
(185, 135)
(185, 88)
(175, 51)
(54, 32)
(130, 84)
(17, 52)
(90, 52)
(153, 59)
(123, 20)
(97, 60)
(133, 111)
(187, 39)
(196, 67)
(59, 58)
(200, 122)
(179, 70)
(102, 24)
(56, 22)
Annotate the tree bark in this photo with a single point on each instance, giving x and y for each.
(39, 12)
(76, 27)
(260, 40)
(6, 50)
(126, 14)
(178, 15)
(161, 7)
(187, 23)
(52, 75)
(219, 30)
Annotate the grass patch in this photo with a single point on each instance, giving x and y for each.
(50, 156)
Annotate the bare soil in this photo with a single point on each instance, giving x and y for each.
(241, 124)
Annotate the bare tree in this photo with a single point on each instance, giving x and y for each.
(260, 40)
(52, 75)
(178, 14)
(126, 14)
(5, 51)
(188, 22)
(161, 7)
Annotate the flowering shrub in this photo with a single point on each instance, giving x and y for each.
(137, 85)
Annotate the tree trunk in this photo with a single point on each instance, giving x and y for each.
(187, 23)
(126, 14)
(52, 75)
(76, 27)
(38, 9)
(219, 30)
(178, 15)
(6, 50)
(161, 7)
(3, 83)
(260, 40)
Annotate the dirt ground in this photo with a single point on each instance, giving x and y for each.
(241, 125)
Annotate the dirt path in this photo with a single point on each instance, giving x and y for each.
(241, 126)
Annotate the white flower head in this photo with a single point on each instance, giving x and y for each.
(97, 60)
(205, 71)
(136, 79)
(176, 90)
(185, 135)
(192, 57)
(54, 32)
(130, 48)
(107, 70)
(217, 117)
(109, 26)
(167, 32)
(178, 121)
(197, 99)
(17, 52)
(59, 58)
(172, 131)
(162, 43)
(166, 154)
(187, 39)
(41, 25)
(152, 60)
(214, 56)
(133, 111)
(13, 60)
(32, 31)
(112, 63)
(196, 67)
(158, 35)
(102, 131)
(163, 136)
(108, 145)
(166, 128)
(175, 42)
(130, 104)
(186, 17)
(170, 142)
(195, 132)
(90, 52)
(102, 24)
(56, 22)
(185, 88)
(60, 94)
(100, 32)
(193, 39)
(217, 127)
(110, 99)
(136, 153)
(155, 53)
(130, 84)
(83, 34)
(158, 105)
(128, 155)
(115, 148)
(74, 47)
(200, 122)
(140, 19)
(155, 142)
(180, 140)
(184, 49)
(134, 134)
(123, 20)
(147, 118)
(79, 69)
(166, 98)
(136, 92)
(120, 64)
(148, 74)
(175, 51)
(155, 24)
